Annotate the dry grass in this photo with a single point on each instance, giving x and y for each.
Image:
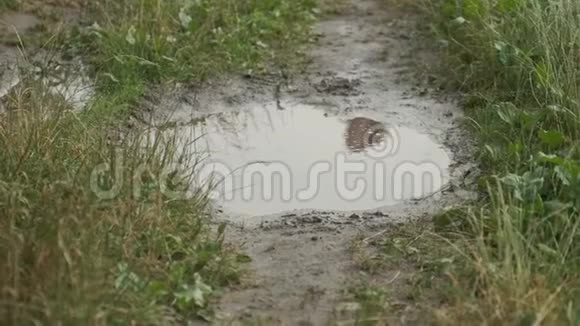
(71, 257)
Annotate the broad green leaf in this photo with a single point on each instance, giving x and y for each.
(506, 53)
(505, 6)
(459, 21)
(474, 9)
(551, 158)
(184, 18)
(563, 175)
(551, 137)
(449, 9)
(507, 112)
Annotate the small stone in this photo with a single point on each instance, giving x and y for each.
(316, 219)
(349, 307)
(354, 216)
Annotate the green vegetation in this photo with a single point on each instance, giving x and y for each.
(417, 260)
(518, 62)
(139, 256)
(7, 4)
(134, 42)
(369, 306)
(72, 257)
(512, 257)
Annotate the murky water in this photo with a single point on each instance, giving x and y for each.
(69, 81)
(75, 89)
(8, 70)
(271, 160)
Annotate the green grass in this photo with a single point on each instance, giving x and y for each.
(518, 63)
(406, 270)
(136, 42)
(7, 4)
(72, 257)
(140, 256)
(369, 306)
(512, 257)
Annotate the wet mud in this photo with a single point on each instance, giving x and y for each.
(359, 91)
(359, 99)
(273, 161)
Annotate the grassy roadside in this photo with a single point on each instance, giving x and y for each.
(517, 251)
(89, 232)
(519, 62)
(7, 4)
(75, 249)
(132, 43)
(513, 257)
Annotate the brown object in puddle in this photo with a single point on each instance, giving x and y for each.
(363, 133)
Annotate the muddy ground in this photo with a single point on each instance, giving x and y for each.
(369, 58)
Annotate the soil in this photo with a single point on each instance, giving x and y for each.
(366, 59)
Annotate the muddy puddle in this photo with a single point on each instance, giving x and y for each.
(62, 78)
(273, 158)
(68, 81)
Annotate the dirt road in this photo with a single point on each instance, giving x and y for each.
(301, 261)
(364, 62)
